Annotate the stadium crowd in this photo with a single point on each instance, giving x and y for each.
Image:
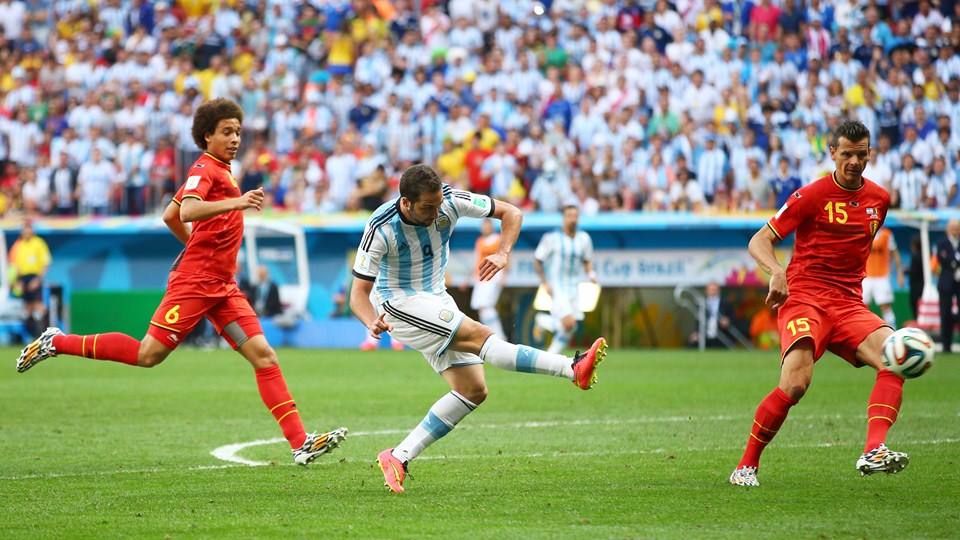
(620, 105)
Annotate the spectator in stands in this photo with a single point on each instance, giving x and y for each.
(668, 77)
(94, 181)
(29, 261)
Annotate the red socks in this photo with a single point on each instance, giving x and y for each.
(114, 346)
(883, 407)
(770, 415)
(273, 391)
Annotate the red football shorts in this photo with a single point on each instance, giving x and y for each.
(837, 325)
(190, 297)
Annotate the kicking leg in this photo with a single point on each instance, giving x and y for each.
(882, 410)
(476, 338)
(112, 346)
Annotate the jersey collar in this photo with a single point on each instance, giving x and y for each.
(217, 160)
(833, 176)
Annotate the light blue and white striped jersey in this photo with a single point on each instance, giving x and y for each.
(405, 259)
(563, 257)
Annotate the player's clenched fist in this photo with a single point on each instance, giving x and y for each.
(252, 199)
(778, 290)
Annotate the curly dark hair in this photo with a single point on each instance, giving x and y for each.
(417, 180)
(210, 114)
(851, 130)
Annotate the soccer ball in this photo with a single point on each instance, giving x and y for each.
(908, 352)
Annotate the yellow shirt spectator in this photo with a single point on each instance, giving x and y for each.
(30, 256)
(488, 139)
(341, 50)
(452, 164)
(196, 8)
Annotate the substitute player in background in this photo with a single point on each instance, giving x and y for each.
(819, 295)
(876, 286)
(201, 283)
(486, 293)
(402, 258)
(561, 259)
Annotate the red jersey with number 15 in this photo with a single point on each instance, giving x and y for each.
(835, 228)
(214, 242)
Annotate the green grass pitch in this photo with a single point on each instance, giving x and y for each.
(99, 450)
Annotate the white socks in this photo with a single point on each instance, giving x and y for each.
(446, 413)
(525, 359)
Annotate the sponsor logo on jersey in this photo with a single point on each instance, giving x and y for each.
(199, 166)
(446, 315)
(855, 204)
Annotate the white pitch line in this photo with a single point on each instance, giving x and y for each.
(526, 455)
(229, 452)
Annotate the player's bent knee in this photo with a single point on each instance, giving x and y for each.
(795, 390)
(150, 359)
(477, 394)
(151, 353)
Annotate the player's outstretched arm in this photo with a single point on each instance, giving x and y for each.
(510, 220)
(193, 209)
(761, 249)
(364, 310)
(171, 218)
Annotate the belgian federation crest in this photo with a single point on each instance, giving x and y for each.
(874, 225)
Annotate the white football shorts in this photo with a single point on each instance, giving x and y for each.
(427, 322)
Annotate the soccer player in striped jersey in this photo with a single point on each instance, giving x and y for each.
(562, 257)
(400, 266)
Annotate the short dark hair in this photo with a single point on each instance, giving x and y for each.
(568, 206)
(210, 114)
(417, 180)
(851, 130)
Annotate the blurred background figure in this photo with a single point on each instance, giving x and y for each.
(948, 259)
(263, 294)
(719, 317)
(876, 286)
(29, 261)
(487, 293)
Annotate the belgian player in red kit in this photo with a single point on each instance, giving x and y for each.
(201, 283)
(819, 299)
